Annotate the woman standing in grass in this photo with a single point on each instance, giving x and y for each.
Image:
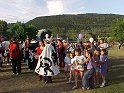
(60, 53)
(103, 66)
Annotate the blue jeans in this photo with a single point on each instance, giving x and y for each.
(87, 80)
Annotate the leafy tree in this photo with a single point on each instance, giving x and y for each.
(17, 31)
(20, 31)
(3, 27)
(31, 31)
(118, 31)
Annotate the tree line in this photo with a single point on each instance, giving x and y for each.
(71, 25)
(18, 30)
(104, 25)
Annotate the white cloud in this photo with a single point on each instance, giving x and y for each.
(13, 10)
(74, 6)
(55, 7)
(25, 10)
(65, 6)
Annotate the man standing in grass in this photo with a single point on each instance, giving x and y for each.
(15, 57)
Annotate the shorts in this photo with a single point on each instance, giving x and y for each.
(103, 72)
(76, 70)
(67, 68)
(1, 61)
(97, 69)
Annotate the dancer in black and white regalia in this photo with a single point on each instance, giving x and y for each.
(32, 62)
(47, 63)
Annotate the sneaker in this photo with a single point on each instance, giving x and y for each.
(103, 85)
(72, 81)
(83, 88)
(69, 82)
(14, 73)
(8, 64)
(75, 87)
(86, 88)
(18, 73)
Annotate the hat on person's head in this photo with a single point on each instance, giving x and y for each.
(47, 40)
(64, 41)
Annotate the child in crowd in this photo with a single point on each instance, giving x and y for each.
(67, 61)
(79, 68)
(103, 66)
(72, 67)
(39, 50)
(96, 67)
(87, 80)
(1, 59)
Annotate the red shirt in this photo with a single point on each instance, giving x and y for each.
(39, 51)
(14, 50)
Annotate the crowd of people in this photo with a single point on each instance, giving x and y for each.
(46, 58)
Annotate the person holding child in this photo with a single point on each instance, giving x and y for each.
(87, 80)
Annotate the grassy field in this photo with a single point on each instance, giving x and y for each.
(28, 82)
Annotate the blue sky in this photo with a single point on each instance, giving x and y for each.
(25, 10)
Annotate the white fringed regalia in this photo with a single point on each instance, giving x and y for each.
(47, 63)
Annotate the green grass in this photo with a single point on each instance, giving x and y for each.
(28, 82)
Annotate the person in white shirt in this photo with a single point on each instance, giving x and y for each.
(78, 68)
(104, 45)
(5, 45)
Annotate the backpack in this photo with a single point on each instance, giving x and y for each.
(14, 50)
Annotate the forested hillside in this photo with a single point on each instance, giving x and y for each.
(71, 25)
